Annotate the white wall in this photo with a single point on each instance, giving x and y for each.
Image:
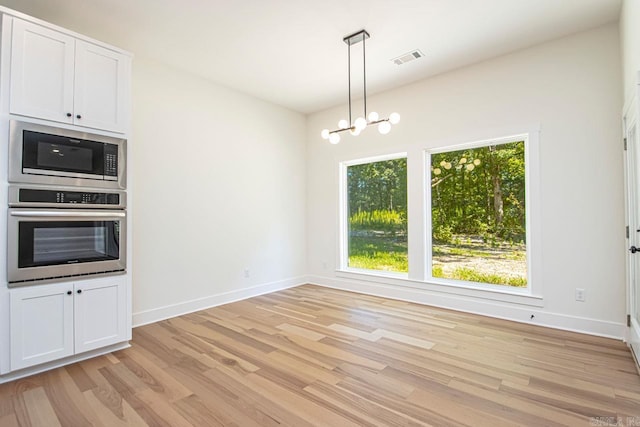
(630, 39)
(571, 88)
(219, 187)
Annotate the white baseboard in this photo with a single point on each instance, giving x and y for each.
(485, 307)
(157, 314)
(468, 304)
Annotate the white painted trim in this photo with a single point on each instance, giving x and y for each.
(62, 362)
(630, 122)
(505, 294)
(375, 159)
(157, 314)
(484, 307)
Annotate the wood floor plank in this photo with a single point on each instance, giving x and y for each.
(465, 415)
(312, 356)
(550, 415)
(41, 413)
(263, 409)
(303, 332)
(154, 376)
(126, 416)
(225, 404)
(370, 413)
(198, 414)
(6, 402)
(158, 406)
(300, 406)
(305, 369)
(9, 420)
(67, 400)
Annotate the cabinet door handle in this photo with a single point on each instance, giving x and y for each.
(69, 292)
(79, 291)
(78, 116)
(69, 114)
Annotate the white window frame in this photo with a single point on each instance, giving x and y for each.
(532, 201)
(343, 232)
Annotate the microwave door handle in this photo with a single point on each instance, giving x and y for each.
(59, 214)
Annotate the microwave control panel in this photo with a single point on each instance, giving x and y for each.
(110, 160)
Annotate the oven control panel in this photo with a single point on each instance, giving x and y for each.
(20, 196)
(52, 196)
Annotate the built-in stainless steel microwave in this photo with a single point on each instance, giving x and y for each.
(48, 155)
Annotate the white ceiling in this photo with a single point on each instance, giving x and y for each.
(290, 52)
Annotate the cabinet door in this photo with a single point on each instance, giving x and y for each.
(41, 324)
(100, 313)
(101, 87)
(42, 69)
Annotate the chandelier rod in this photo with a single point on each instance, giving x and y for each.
(364, 72)
(349, 68)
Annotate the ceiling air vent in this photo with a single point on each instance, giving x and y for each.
(408, 57)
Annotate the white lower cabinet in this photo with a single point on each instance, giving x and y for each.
(41, 319)
(49, 322)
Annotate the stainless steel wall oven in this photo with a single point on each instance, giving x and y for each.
(60, 233)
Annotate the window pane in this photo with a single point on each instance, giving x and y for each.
(377, 209)
(478, 215)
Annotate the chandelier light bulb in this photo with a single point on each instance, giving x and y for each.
(394, 118)
(343, 124)
(324, 134)
(334, 138)
(373, 116)
(360, 123)
(355, 131)
(384, 127)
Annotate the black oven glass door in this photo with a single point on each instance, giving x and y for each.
(48, 154)
(43, 243)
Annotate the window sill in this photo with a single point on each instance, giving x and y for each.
(514, 296)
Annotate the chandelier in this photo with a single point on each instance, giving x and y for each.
(360, 123)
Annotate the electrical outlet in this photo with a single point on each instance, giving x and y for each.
(247, 273)
(580, 294)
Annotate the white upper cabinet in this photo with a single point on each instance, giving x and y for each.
(42, 63)
(100, 87)
(60, 78)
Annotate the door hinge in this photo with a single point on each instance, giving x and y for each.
(628, 320)
(625, 144)
(627, 232)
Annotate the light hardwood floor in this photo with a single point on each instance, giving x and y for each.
(311, 356)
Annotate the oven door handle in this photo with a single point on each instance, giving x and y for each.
(57, 214)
